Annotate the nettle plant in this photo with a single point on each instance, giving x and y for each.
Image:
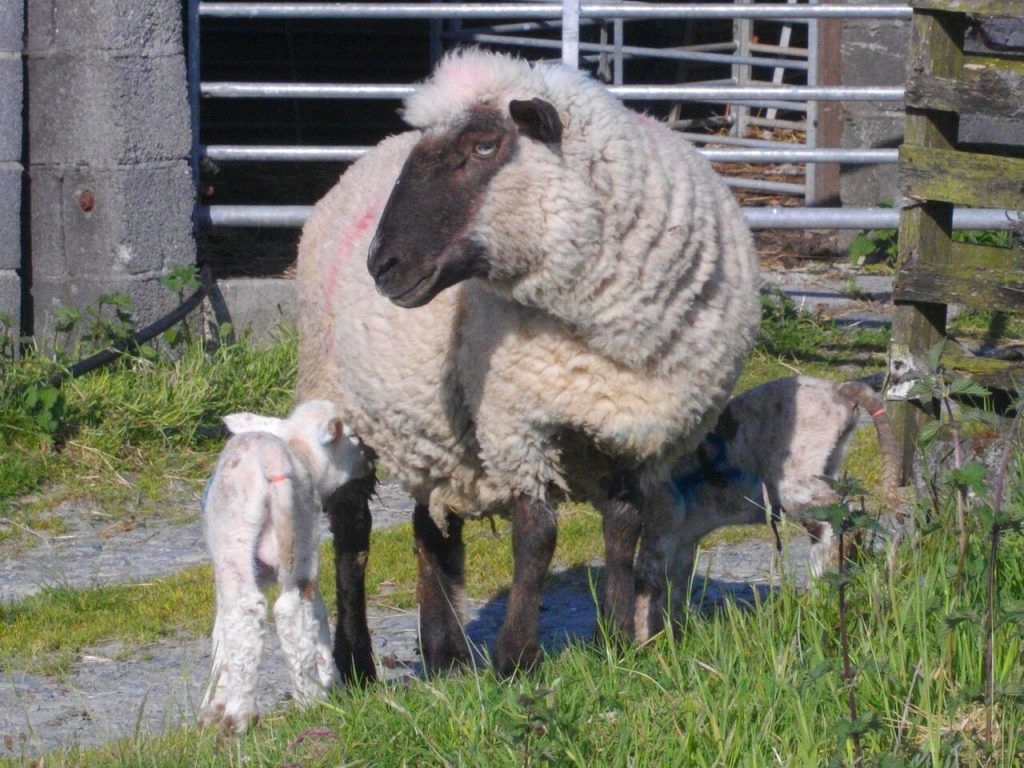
(971, 486)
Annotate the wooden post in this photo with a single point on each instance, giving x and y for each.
(925, 227)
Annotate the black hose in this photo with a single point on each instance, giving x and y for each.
(138, 338)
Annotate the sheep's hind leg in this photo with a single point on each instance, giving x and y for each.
(621, 523)
(441, 559)
(534, 533)
(349, 512)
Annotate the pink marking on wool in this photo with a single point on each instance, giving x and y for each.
(345, 248)
(651, 124)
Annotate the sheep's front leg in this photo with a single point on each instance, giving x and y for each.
(349, 513)
(534, 533)
(621, 523)
(441, 558)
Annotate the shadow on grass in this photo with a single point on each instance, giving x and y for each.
(569, 609)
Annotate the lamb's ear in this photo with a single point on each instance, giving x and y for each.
(537, 119)
(330, 431)
(238, 423)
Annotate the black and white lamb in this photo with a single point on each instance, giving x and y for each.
(602, 295)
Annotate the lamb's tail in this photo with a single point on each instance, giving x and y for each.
(864, 396)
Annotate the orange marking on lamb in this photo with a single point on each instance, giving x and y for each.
(277, 478)
(344, 250)
(878, 413)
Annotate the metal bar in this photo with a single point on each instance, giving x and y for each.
(618, 36)
(233, 90)
(788, 106)
(764, 122)
(265, 153)
(811, 118)
(192, 71)
(758, 93)
(732, 141)
(760, 185)
(571, 33)
(227, 90)
(552, 10)
(672, 54)
(758, 218)
(800, 154)
(780, 154)
(778, 50)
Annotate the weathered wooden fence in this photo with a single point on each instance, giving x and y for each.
(937, 172)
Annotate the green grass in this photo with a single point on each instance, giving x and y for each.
(740, 687)
(129, 428)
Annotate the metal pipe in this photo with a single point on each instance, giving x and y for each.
(671, 54)
(571, 33)
(264, 153)
(551, 10)
(227, 90)
(800, 154)
(232, 90)
(758, 93)
(760, 185)
(193, 76)
(757, 218)
(780, 154)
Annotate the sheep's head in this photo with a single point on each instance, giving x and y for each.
(424, 242)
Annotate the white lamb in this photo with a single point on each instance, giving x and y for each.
(569, 292)
(260, 512)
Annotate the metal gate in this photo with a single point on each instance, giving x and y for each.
(772, 87)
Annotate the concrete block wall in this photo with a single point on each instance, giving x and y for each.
(874, 53)
(111, 195)
(12, 25)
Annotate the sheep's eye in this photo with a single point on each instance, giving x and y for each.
(485, 148)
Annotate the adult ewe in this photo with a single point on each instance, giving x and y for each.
(605, 296)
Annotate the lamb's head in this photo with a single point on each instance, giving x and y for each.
(315, 432)
(432, 233)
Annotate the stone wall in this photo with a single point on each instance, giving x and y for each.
(11, 32)
(109, 141)
(874, 53)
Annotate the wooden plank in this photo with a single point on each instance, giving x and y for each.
(987, 86)
(964, 178)
(1007, 375)
(936, 48)
(825, 181)
(978, 277)
(981, 7)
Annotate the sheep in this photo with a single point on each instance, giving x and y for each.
(790, 437)
(559, 297)
(260, 513)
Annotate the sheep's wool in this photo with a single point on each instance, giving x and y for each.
(621, 303)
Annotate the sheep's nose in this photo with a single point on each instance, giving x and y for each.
(378, 267)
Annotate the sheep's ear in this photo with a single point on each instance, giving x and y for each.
(239, 423)
(537, 119)
(330, 431)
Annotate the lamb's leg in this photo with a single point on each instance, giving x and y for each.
(349, 513)
(212, 709)
(534, 533)
(442, 578)
(238, 638)
(621, 523)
